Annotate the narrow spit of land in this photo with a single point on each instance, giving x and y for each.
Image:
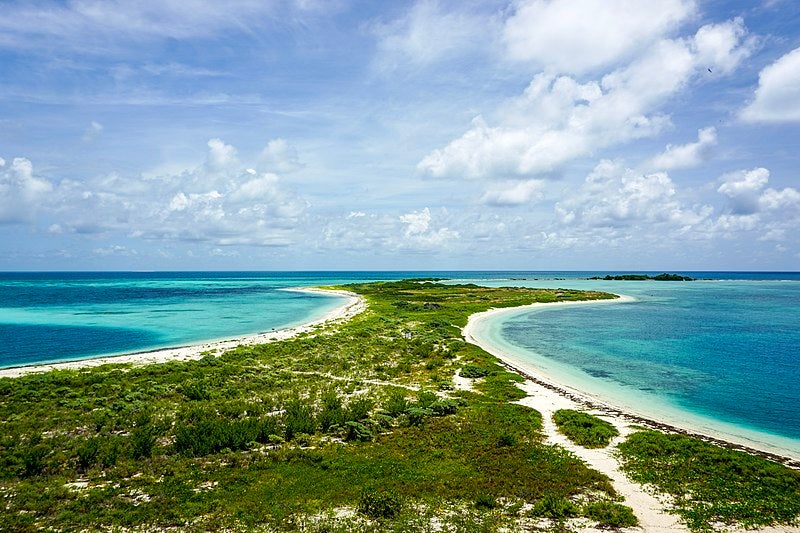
(389, 421)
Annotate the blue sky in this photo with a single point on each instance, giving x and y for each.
(305, 134)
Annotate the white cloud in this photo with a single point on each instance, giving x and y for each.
(92, 132)
(222, 202)
(748, 194)
(103, 26)
(615, 196)
(429, 33)
(280, 156)
(686, 155)
(21, 193)
(743, 188)
(417, 222)
(513, 193)
(419, 231)
(574, 36)
(221, 155)
(721, 47)
(558, 118)
(777, 98)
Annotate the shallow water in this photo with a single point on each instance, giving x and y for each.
(723, 354)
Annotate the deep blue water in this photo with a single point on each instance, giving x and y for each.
(726, 349)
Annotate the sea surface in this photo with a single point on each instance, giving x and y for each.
(720, 354)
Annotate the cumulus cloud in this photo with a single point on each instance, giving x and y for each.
(280, 156)
(747, 194)
(220, 155)
(558, 118)
(777, 98)
(686, 155)
(220, 202)
(21, 193)
(513, 193)
(418, 231)
(614, 196)
(574, 36)
(722, 47)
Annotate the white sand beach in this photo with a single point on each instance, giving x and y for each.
(353, 305)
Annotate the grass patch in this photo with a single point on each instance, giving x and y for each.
(712, 485)
(584, 429)
(279, 436)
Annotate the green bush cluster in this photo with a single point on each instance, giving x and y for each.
(710, 484)
(584, 429)
(473, 371)
(380, 503)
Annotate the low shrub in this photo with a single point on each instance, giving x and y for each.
(485, 501)
(396, 404)
(556, 507)
(380, 504)
(472, 371)
(610, 514)
(358, 431)
(584, 429)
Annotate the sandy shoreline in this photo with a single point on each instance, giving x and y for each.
(624, 415)
(353, 305)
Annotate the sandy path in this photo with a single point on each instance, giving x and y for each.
(353, 305)
(651, 512)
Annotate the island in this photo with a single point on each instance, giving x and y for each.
(389, 420)
(644, 277)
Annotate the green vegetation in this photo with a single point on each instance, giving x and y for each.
(357, 427)
(712, 485)
(644, 277)
(584, 429)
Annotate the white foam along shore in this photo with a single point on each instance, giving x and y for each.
(671, 420)
(353, 305)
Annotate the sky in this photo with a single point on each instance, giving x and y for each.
(363, 135)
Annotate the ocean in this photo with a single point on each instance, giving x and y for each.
(718, 354)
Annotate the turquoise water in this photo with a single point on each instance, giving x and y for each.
(725, 353)
(722, 354)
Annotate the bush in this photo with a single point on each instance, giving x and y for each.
(196, 391)
(207, 434)
(485, 501)
(298, 417)
(610, 514)
(359, 409)
(417, 416)
(143, 437)
(472, 371)
(332, 413)
(396, 404)
(425, 399)
(358, 431)
(444, 407)
(556, 507)
(88, 453)
(380, 504)
(584, 429)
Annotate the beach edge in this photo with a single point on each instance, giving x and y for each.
(353, 305)
(624, 414)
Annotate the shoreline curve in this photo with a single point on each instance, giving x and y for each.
(535, 375)
(353, 305)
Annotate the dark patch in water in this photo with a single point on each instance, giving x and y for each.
(598, 373)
